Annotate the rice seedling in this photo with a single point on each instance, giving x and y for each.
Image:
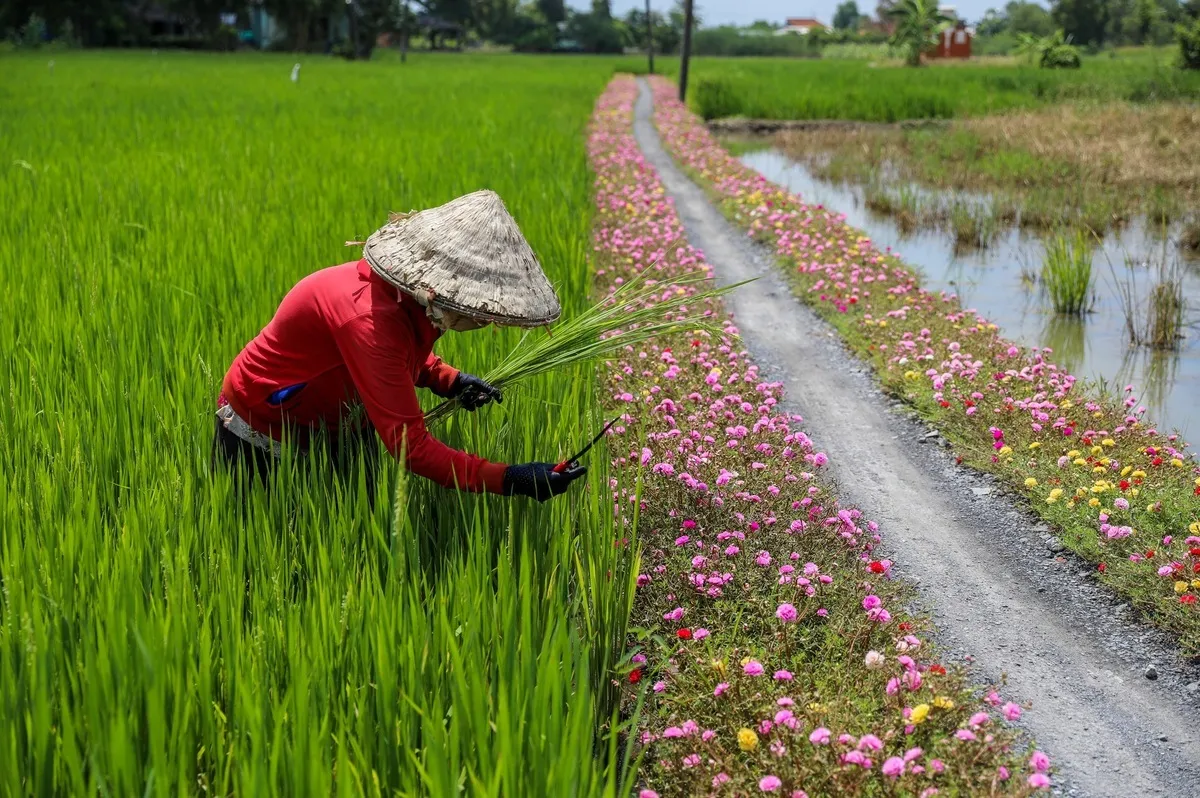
(162, 631)
(1067, 272)
(635, 312)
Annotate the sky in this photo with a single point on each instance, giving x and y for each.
(743, 12)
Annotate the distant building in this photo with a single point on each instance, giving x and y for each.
(800, 26)
(954, 42)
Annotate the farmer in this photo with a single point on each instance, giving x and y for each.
(360, 337)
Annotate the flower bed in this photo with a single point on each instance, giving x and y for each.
(772, 649)
(1123, 495)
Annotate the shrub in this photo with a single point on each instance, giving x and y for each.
(1189, 44)
(1061, 56)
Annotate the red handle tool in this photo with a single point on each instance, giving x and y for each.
(565, 464)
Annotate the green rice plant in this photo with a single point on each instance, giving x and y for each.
(632, 314)
(164, 630)
(1067, 272)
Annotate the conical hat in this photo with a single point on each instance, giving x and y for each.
(467, 256)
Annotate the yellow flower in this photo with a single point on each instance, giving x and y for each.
(1099, 470)
(718, 665)
(1150, 507)
(1093, 502)
(1126, 471)
(1175, 461)
(747, 739)
(1031, 482)
(1139, 474)
(1134, 492)
(919, 713)
(1108, 442)
(1196, 584)
(1194, 527)
(1073, 453)
(1054, 496)
(1097, 450)
(882, 323)
(1066, 405)
(816, 708)
(1005, 450)
(911, 375)
(1079, 461)
(1181, 587)
(1035, 445)
(1080, 493)
(941, 702)
(1198, 482)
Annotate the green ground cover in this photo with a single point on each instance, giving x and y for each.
(157, 638)
(779, 88)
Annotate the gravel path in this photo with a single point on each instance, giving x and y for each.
(1003, 593)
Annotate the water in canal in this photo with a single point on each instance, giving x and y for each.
(990, 281)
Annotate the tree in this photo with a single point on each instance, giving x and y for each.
(917, 25)
(555, 11)
(1084, 21)
(846, 17)
(1026, 17)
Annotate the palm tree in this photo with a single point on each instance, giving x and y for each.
(917, 25)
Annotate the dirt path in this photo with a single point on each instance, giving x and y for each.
(1001, 598)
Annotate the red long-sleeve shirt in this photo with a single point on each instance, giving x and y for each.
(342, 336)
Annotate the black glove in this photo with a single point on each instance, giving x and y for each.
(472, 392)
(538, 480)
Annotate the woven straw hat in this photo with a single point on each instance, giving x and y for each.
(467, 256)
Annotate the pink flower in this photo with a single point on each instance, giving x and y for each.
(672, 732)
(691, 760)
(647, 794)
(979, 719)
(1039, 781)
(786, 613)
(819, 736)
(893, 767)
(1011, 711)
(700, 634)
(769, 783)
(753, 668)
(869, 742)
(1039, 762)
(720, 688)
(660, 686)
(783, 676)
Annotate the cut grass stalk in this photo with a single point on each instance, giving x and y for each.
(632, 314)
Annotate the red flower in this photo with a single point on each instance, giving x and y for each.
(1124, 484)
(1196, 568)
(906, 627)
(1149, 553)
(1187, 598)
(1101, 567)
(1157, 461)
(944, 403)
(684, 634)
(635, 676)
(876, 567)
(695, 342)
(1087, 441)
(938, 669)
(1194, 551)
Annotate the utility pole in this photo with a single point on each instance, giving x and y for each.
(686, 53)
(649, 37)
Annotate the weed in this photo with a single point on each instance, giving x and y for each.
(1067, 272)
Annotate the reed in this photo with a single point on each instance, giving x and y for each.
(1067, 272)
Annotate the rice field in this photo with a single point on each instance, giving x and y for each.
(157, 635)
(781, 88)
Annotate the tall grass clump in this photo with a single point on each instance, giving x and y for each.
(1154, 318)
(1067, 272)
(162, 630)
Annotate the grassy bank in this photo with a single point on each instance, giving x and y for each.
(1095, 166)
(776, 88)
(771, 647)
(156, 636)
(1122, 494)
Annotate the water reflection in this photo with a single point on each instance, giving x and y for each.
(1000, 282)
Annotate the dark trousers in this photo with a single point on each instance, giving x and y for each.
(344, 449)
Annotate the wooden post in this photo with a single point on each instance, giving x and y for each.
(686, 53)
(649, 37)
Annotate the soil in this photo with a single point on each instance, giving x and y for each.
(1112, 701)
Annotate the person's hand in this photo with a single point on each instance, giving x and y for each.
(538, 480)
(472, 392)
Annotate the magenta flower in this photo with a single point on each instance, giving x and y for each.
(720, 688)
(753, 668)
(783, 676)
(786, 613)
(769, 783)
(820, 736)
(893, 767)
(1039, 781)
(1039, 762)
(1011, 711)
